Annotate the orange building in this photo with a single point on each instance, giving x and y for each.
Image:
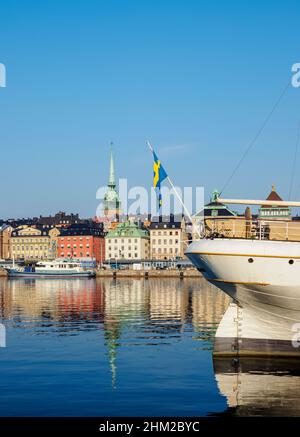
(82, 241)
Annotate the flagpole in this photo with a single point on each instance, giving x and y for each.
(183, 205)
(179, 198)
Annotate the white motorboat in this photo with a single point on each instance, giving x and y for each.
(59, 268)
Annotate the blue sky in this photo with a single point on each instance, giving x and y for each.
(197, 78)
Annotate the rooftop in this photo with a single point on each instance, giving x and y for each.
(128, 229)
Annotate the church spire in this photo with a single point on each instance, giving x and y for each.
(112, 202)
(111, 181)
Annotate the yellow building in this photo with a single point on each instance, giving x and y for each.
(29, 243)
(5, 233)
(168, 240)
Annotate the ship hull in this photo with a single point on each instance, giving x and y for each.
(263, 279)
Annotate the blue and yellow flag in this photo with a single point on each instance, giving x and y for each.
(159, 175)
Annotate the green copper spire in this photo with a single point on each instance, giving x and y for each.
(112, 202)
(215, 196)
(112, 180)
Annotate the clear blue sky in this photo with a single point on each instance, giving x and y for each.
(197, 78)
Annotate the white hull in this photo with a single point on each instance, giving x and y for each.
(263, 278)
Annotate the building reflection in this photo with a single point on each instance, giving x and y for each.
(150, 310)
(259, 386)
(115, 301)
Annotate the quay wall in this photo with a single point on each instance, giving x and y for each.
(171, 273)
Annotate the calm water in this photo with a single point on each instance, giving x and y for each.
(126, 347)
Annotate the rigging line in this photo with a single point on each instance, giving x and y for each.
(251, 144)
(294, 161)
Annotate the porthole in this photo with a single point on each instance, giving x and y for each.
(250, 260)
(291, 261)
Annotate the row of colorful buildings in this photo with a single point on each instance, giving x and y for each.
(126, 240)
(113, 237)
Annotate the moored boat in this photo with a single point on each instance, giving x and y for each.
(51, 269)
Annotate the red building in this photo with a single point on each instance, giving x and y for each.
(82, 241)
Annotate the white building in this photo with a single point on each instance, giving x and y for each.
(127, 241)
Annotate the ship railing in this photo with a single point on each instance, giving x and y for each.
(253, 229)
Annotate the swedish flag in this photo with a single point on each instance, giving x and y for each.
(159, 175)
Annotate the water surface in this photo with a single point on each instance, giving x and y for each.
(86, 347)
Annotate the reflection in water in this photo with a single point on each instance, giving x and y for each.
(259, 386)
(129, 347)
(130, 312)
